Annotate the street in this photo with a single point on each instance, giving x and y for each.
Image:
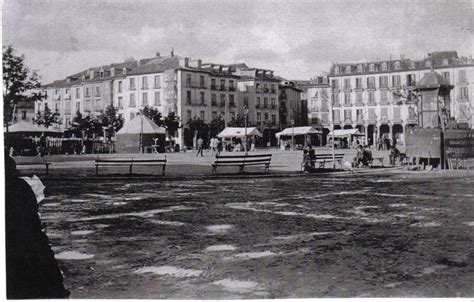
(342, 235)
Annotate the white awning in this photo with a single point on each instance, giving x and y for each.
(239, 132)
(23, 126)
(141, 124)
(345, 133)
(298, 131)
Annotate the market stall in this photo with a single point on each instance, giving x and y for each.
(344, 138)
(140, 135)
(301, 135)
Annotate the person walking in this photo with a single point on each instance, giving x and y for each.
(213, 146)
(219, 147)
(200, 147)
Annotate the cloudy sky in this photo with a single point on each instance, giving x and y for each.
(297, 39)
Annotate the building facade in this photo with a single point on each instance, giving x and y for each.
(377, 97)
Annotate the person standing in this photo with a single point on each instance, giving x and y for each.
(200, 147)
(213, 146)
(219, 147)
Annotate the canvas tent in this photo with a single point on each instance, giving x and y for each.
(298, 131)
(307, 132)
(341, 133)
(29, 128)
(239, 132)
(140, 135)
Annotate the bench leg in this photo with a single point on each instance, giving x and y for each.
(130, 171)
(214, 169)
(96, 169)
(47, 169)
(241, 169)
(163, 172)
(267, 168)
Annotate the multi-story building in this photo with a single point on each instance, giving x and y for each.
(290, 104)
(374, 97)
(258, 91)
(24, 111)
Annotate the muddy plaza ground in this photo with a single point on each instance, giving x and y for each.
(373, 234)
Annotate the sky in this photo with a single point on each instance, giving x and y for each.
(296, 39)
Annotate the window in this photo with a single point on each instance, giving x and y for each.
(359, 83)
(231, 100)
(214, 115)
(337, 116)
(325, 118)
(265, 88)
(347, 99)
(396, 114)
(360, 115)
(266, 116)
(257, 87)
(213, 84)
(120, 102)
(202, 115)
(384, 66)
(97, 91)
(397, 65)
(157, 98)
(348, 69)
(259, 116)
(222, 84)
(246, 101)
(411, 80)
(119, 86)
(78, 107)
(462, 76)
(132, 83)
(222, 100)
(132, 100)
(189, 114)
(98, 105)
(201, 98)
(78, 93)
(201, 81)
(335, 84)
(67, 107)
(144, 82)
(66, 91)
(383, 81)
(87, 92)
(396, 82)
(258, 102)
(359, 98)
(463, 93)
(188, 97)
(157, 81)
(274, 119)
(360, 68)
(213, 99)
(232, 115)
(383, 96)
(145, 99)
(446, 76)
(231, 85)
(23, 115)
(445, 62)
(265, 102)
(273, 103)
(428, 63)
(336, 70)
(87, 105)
(132, 115)
(372, 116)
(372, 67)
(56, 106)
(371, 98)
(188, 80)
(347, 83)
(273, 88)
(371, 82)
(384, 113)
(348, 115)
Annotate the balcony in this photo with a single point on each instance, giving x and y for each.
(371, 87)
(273, 106)
(383, 87)
(372, 119)
(231, 104)
(360, 121)
(371, 103)
(383, 103)
(396, 87)
(231, 88)
(359, 88)
(213, 87)
(411, 84)
(203, 103)
(347, 89)
(214, 104)
(412, 120)
(397, 120)
(222, 88)
(273, 91)
(67, 96)
(359, 103)
(188, 103)
(336, 105)
(265, 90)
(265, 106)
(257, 106)
(347, 104)
(463, 99)
(222, 104)
(337, 121)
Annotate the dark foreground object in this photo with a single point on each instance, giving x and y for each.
(32, 270)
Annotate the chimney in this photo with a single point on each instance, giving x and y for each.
(220, 68)
(172, 51)
(158, 54)
(199, 63)
(186, 62)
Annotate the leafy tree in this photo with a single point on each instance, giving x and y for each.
(197, 126)
(19, 83)
(239, 121)
(46, 118)
(88, 125)
(171, 123)
(154, 115)
(216, 125)
(111, 120)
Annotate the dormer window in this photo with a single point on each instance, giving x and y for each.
(372, 67)
(124, 71)
(348, 69)
(384, 66)
(445, 62)
(411, 65)
(360, 68)
(101, 74)
(428, 63)
(397, 65)
(336, 70)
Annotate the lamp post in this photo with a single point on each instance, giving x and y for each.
(292, 134)
(332, 132)
(246, 112)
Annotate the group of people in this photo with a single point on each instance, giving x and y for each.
(309, 159)
(217, 145)
(363, 157)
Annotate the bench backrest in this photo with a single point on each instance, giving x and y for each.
(243, 159)
(329, 156)
(118, 161)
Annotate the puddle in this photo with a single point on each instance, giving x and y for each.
(165, 222)
(170, 271)
(52, 204)
(430, 270)
(84, 232)
(73, 255)
(426, 224)
(301, 236)
(390, 195)
(220, 248)
(219, 228)
(469, 223)
(236, 285)
(254, 255)
(397, 205)
(78, 200)
(144, 214)
(393, 284)
(101, 226)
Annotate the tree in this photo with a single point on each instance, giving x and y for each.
(87, 126)
(46, 118)
(171, 123)
(111, 120)
(239, 121)
(19, 83)
(154, 115)
(197, 128)
(216, 125)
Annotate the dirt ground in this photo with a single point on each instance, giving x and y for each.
(363, 235)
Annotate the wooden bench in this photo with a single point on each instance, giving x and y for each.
(46, 165)
(322, 159)
(241, 161)
(378, 158)
(130, 162)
